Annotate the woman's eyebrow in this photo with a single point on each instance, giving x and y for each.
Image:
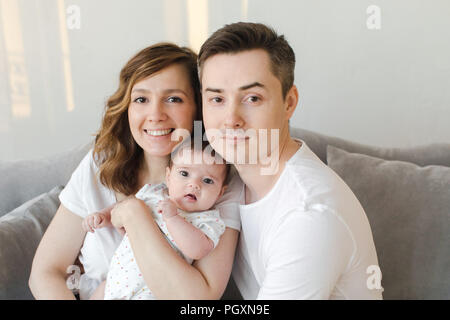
(140, 90)
(167, 91)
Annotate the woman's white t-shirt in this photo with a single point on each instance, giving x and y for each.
(84, 194)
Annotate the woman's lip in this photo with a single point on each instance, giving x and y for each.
(158, 133)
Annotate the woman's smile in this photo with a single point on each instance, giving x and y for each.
(158, 133)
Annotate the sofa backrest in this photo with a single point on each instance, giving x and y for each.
(424, 155)
(23, 180)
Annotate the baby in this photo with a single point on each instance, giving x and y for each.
(181, 208)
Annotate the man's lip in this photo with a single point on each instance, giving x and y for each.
(235, 137)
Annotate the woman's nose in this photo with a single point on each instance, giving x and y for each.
(156, 112)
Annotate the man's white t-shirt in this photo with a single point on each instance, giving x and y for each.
(85, 194)
(308, 238)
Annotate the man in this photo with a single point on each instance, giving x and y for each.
(304, 234)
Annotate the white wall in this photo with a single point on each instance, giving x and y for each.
(386, 87)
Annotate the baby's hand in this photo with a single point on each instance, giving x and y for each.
(95, 221)
(167, 208)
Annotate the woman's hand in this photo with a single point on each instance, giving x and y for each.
(124, 209)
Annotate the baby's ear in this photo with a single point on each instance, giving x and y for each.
(167, 174)
(224, 187)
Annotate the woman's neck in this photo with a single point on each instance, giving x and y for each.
(153, 169)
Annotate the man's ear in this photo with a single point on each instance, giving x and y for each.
(291, 101)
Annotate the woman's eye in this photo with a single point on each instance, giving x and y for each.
(174, 99)
(140, 100)
(184, 173)
(208, 181)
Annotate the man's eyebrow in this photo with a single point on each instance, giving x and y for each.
(251, 85)
(214, 90)
(246, 87)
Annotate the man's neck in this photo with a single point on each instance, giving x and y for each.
(257, 185)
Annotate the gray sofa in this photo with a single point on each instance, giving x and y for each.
(404, 191)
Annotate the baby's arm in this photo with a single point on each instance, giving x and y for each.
(98, 219)
(189, 239)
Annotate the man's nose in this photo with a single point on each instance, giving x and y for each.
(233, 117)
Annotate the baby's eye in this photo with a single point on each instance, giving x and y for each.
(140, 100)
(184, 173)
(208, 181)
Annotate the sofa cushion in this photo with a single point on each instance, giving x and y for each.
(25, 179)
(21, 231)
(408, 209)
(432, 154)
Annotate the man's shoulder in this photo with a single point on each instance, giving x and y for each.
(308, 183)
(306, 172)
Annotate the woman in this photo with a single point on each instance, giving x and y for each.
(158, 94)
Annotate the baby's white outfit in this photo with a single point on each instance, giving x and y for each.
(124, 279)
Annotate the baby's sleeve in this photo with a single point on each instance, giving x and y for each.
(209, 222)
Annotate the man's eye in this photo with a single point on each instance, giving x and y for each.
(184, 173)
(140, 100)
(175, 99)
(216, 100)
(208, 181)
(253, 99)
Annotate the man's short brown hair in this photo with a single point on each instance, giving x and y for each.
(243, 36)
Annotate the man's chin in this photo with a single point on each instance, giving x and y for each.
(233, 153)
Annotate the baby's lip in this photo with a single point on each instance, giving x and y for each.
(190, 197)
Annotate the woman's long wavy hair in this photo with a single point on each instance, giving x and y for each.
(117, 155)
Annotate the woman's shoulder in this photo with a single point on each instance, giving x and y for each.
(88, 165)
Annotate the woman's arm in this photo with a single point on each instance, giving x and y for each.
(57, 250)
(167, 274)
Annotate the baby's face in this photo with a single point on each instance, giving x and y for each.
(195, 187)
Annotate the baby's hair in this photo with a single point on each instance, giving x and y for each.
(189, 143)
